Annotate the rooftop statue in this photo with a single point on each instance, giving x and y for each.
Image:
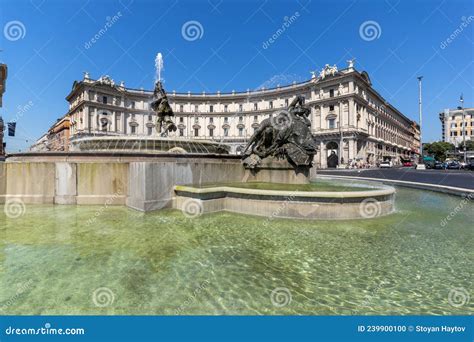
(286, 134)
(161, 106)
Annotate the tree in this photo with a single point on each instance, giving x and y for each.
(469, 145)
(438, 149)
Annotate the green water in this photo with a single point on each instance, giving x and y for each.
(321, 185)
(54, 258)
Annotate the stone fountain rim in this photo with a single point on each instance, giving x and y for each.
(384, 190)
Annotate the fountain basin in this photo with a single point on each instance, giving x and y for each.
(136, 144)
(298, 202)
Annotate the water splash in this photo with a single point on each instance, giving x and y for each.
(159, 66)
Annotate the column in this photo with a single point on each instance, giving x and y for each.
(94, 121)
(352, 148)
(322, 155)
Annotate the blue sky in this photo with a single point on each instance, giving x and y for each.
(47, 45)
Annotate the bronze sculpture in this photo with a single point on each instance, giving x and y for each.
(286, 134)
(161, 106)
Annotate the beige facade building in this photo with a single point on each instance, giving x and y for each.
(349, 118)
(454, 122)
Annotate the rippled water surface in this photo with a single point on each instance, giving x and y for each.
(96, 260)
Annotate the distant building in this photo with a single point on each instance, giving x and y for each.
(416, 143)
(56, 139)
(58, 135)
(455, 123)
(41, 144)
(3, 77)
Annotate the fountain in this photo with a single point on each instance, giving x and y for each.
(273, 177)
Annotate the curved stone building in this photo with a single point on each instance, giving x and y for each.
(351, 121)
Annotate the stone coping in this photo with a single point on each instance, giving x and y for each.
(451, 190)
(121, 156)
(383, 191)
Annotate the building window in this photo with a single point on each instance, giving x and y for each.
(211, 108)
(241, 119)
(150, 130)
(181, 119)
(196, 132)
(225, 108)
(181, 132)
(226, 132)
(132, 104)
(226, 119)
(196, 108)
(331, 92)
(211, 120)
(241, 132)
(134, 129)
(331, 108)
(331, 123)
(104, 99)
(150, 118)
(255, 106)
(241, 107)
(271, 104)
(255, 118)
(181, 108)
(211, 132)
(196, 119)
(104, 125)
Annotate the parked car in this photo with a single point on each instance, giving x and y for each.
(408, 164)
(439, 165)
(470, 165)
(463, 165)
(453, 165)
(429, 162)
(386, 164)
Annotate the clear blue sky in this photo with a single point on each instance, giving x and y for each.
(49, 52)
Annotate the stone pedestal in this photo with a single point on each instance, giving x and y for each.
(272, 170)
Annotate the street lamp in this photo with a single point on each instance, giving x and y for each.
(421, 164)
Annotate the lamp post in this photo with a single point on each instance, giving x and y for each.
(463, 123)
(421, 164)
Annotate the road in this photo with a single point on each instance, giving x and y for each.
(455, 178)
